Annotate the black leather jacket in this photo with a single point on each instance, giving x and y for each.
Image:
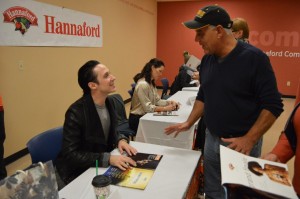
(83, 139)
(183, 79)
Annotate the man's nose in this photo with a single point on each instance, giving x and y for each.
(198, 39)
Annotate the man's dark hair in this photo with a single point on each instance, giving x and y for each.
(146, 71)
(86, 74)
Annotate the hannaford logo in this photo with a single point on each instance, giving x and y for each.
(21, 17)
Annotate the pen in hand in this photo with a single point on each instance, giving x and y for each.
(177, 106)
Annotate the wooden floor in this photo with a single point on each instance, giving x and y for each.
(269, 141)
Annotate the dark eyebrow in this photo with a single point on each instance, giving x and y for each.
(199, 31)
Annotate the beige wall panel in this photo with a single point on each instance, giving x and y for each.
(36, 97)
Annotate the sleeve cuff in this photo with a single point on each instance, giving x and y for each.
(105, 160)
(122, 137)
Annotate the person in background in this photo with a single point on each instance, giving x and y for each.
(240, 29)
(186, 56)
(89, 131)
(184, 76)
(196, 75)
(3, 172)
(238, 95)
(201, 128)
(145, 98)
(288, 143)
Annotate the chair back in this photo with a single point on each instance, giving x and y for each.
(130, 92)
(165, 85)
(133, 85)
(45, 146)
(122, 121)
(132, 89)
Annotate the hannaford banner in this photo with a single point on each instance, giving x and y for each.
(30, 23)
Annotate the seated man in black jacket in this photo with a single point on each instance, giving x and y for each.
(89, 130)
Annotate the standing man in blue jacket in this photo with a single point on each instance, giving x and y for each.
(238, 95)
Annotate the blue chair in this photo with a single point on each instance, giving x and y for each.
(133, 85)
(132, 89)
(130, 92)
(165, 86)
(45, 146)
(122, 121)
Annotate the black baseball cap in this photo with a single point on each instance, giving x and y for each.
(210, 15)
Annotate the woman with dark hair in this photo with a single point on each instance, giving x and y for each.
(145, 98)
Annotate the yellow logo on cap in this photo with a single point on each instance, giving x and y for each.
(200, 13)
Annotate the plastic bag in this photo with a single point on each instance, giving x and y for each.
(38, 181)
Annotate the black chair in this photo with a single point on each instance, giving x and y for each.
(46, 146)
(165, 86)
(132, 89)
(122, 121)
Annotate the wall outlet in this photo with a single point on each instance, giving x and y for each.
(21, 65)
(288, 83)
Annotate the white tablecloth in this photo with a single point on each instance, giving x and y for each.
(196, 89)
(151, 128)
(170, 180)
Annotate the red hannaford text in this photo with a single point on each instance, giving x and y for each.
(64, 28)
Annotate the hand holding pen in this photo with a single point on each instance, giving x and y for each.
(175, 105)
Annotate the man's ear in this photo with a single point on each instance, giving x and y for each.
(92, 85)
(220, 30)
(240, 33)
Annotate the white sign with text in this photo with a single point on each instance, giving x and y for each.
(30, 23)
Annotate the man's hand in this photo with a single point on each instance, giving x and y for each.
(240, 144)
(195, 75)
(271, 157)
(177, 128)
(124, 146)
(121, 161)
